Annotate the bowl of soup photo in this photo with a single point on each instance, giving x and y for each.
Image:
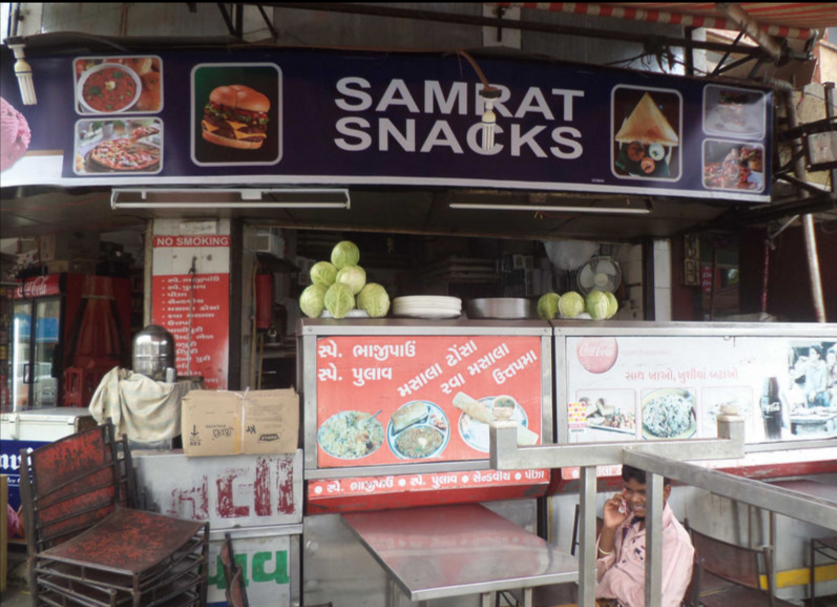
(109, 88)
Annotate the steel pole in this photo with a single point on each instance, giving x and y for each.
(807, 220)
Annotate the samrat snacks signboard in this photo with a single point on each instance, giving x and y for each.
(651, 388)
(288, 116)
(406, 399)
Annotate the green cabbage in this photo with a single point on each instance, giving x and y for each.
(597, 305)
(339, 300)
(571, 304)
(548, 306)
(323, 273)
(353, 277)
(373, 298)
(312, 301)
(344, 254)
(612, 305)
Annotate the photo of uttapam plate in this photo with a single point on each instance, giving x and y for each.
(475, 432)
(669, 413)
(418, 430)
(351, 435)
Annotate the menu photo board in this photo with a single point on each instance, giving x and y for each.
(394, 399)
(652, 388)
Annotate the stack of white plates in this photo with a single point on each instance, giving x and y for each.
(428, 306)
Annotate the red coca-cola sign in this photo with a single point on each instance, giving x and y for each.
(597, 354)
(39, 286)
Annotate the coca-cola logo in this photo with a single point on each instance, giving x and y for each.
(35, 287)
(597, 354)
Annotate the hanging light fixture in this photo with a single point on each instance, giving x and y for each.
(23, 71)
(489, 95)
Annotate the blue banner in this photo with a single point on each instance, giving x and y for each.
(341, 118)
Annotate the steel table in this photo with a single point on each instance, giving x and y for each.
(449, 551)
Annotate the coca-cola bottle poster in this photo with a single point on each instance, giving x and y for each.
(660, 388)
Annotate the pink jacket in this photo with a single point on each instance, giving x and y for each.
(622, 574)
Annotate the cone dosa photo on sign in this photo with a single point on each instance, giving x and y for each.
(646, 138)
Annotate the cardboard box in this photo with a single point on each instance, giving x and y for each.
(74, 266)
(70, 245)
(231, 423)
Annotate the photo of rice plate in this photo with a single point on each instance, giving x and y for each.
(669, 413)
(351, 435)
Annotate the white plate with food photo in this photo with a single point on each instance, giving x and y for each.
(602, 414)
(669, 413)
(418, 430)
(478, 413)
(351, 435)
(733, 112)
(118, 85)
(724, 400)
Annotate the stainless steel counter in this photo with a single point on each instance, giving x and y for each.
(449, 551)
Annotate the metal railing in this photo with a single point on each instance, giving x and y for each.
(665, 458)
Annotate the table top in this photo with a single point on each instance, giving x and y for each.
(809, 487)
(447, 551)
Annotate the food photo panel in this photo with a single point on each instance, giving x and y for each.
(118, 85)
(130, 146)
(610, 414)
(646, 129)
(733, 112)
(236, 114)
(669, 413)
(733, 165)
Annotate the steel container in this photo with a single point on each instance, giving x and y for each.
(153, 352)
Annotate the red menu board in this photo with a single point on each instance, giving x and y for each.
(194, 306)
(404, 399)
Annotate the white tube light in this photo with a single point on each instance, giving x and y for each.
(251, 198)
(547, 209)
(228, 205)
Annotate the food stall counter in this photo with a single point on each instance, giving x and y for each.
(450, 551)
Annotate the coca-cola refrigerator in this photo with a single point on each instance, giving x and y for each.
(68, 330)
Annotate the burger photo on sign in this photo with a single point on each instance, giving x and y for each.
(647, 139)
(236, 116)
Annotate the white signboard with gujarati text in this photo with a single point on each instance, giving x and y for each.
(650, 388)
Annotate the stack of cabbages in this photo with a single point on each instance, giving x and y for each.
(600, 305)
(336, 284)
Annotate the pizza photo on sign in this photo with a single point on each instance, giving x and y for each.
(729, 165)
(118, 146)
(236, 114)
(646, 133)
(118, 85)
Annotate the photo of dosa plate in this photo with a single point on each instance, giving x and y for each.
(475, 433)
(669, 413)
(350, 435)
(424, 439)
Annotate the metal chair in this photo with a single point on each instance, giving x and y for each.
(88, 547)
(731, 574)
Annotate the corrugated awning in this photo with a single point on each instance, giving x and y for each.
(781, 19)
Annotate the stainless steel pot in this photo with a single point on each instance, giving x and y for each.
(153, 352)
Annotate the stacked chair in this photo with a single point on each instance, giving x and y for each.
(88, 544)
